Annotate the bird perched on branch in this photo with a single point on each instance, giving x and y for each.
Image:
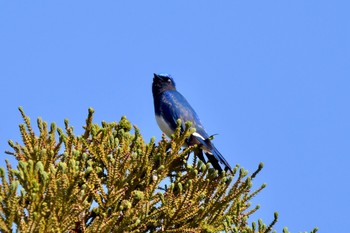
(169, 106)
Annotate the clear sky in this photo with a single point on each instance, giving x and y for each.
(272, 78)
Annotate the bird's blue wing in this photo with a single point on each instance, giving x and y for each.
(174, 106)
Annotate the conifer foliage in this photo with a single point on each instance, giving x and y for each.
(110, 180)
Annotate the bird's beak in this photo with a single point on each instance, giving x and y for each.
(155, 76)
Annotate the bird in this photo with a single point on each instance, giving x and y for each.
(169, 106)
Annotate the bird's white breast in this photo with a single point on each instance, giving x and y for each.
(164, 126)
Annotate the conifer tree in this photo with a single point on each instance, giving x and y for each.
(110, 180)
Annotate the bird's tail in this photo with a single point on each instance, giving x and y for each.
(214, 156)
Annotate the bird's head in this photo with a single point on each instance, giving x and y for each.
(161, 83)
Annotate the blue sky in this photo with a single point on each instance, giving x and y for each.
(272, 78)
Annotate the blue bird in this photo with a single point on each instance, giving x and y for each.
(169, 106)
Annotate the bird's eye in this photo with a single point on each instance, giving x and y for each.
(168, 80)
